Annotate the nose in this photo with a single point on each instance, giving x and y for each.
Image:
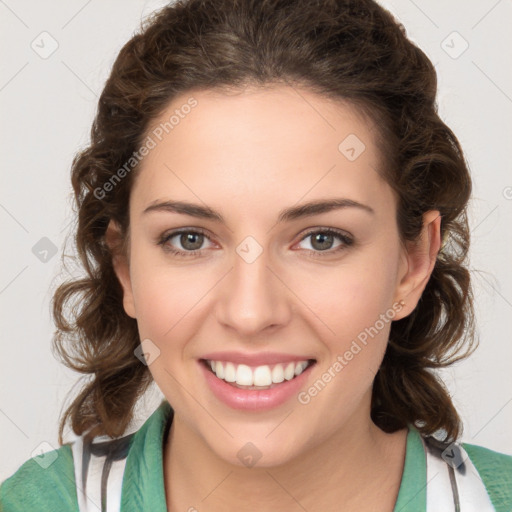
(253, 297)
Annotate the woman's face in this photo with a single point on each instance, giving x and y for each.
(258, 279)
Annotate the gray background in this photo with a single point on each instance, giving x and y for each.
(48, 103)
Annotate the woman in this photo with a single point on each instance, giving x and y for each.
(272, 219)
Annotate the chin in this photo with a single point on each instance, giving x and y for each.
(258, 451)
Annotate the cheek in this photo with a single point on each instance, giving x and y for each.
(164, 300)
(349, 298)
(352, 309)
(168, 306)
(355, 311)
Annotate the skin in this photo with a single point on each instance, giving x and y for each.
(248, 156)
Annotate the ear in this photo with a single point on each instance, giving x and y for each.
(121, 264)
(417, 263)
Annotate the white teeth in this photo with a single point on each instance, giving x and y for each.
(230, 374)
(277, 374)
(244, 375)
(219, 370)
(260, 376)
(300, 368)
(289, 372)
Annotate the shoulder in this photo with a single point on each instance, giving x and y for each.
(43, 483)
(490, 460)
(48, 482)
(495, 470)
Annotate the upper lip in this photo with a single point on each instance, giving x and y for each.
(255, 359)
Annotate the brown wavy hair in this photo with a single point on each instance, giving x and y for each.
(350, 50)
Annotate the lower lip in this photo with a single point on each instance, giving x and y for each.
(254, 399)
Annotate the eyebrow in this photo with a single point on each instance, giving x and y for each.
(288, 214)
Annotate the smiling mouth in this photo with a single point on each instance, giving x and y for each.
(258, 377)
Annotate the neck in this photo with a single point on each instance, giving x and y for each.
(358, 468)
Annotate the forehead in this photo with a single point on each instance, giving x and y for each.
(272, 144)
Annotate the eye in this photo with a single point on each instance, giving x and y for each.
(191, 240)
(322, 241)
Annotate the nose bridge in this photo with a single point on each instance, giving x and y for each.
(253, 298)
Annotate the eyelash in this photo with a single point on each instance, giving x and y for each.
(346, 240)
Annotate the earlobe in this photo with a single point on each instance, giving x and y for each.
(420, 258)
(121, 266)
